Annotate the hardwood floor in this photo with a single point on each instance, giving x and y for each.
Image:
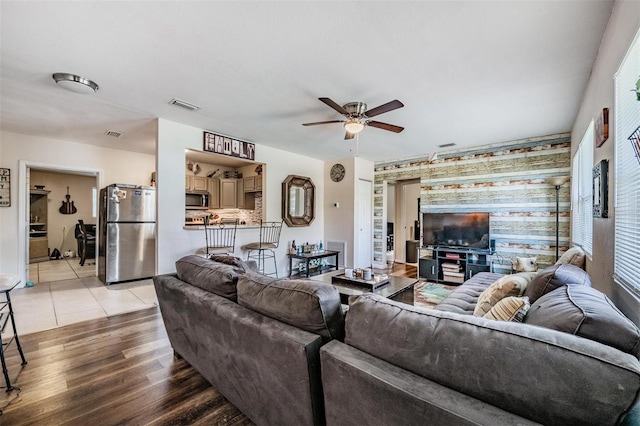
(113, 371)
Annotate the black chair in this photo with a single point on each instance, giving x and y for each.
(91, 233)
(221, 238)
(269, 240)
(88, 243)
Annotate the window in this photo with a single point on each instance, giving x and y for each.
(627, 173)
(582, 193)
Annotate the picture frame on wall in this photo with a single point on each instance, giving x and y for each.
(224, 145)
(5, 188)
(602, 127)
(601, 189)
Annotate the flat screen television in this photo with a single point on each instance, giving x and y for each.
(467, 230)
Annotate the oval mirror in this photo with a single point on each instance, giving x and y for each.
(298, 200)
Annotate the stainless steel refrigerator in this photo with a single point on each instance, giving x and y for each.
(127, 241)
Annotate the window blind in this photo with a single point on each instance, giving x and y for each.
(627, 172)
(582, 193)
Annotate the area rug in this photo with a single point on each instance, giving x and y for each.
(428, 295)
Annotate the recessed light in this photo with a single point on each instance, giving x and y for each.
(75, 83)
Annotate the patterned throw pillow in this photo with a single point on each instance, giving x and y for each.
(509, 309)
(509, 285)
(525, 264)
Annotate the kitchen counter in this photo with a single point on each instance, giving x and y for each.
(201, 227)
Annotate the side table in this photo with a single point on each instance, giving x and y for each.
(308, 257)
(8, 283)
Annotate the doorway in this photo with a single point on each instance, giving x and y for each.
(364, 225)
(407, 205)
(58, 232)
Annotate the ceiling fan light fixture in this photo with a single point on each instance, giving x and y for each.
(353, 126)
(75, 83)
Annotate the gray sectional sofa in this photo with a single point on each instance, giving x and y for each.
(255, 339)
(283, 353)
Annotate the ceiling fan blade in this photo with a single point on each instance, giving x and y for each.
(334, 106)
(348, 135)
(385, 126)
(389, 106)
(322, 122)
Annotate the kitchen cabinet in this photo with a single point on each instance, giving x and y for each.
(240, 194)
(253, 184)
(214, 193)
(228, 193)
(38, 238)
(196, 183)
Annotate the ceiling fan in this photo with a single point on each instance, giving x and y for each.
(357, 116)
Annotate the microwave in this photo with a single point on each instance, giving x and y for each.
(196, 200)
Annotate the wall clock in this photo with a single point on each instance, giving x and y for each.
(337, 172)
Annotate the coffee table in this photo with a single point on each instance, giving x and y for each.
(398, 288)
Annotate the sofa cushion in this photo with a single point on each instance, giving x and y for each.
(464, 298)
(553, 277)
(215, 277)
(586, 312)
(574, 256)
(313, 306)
(509, 285)
(510, 308)
(590, 383)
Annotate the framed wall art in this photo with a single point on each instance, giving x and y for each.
(5, 187)
(601, 189)
(602, 127)
(224, 145)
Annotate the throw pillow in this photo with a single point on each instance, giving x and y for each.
(228, 260)
(586, 312)
(509, 285)
(525, 264)
(211, 276)
(574, 256)
(553, 277)
(509, 309)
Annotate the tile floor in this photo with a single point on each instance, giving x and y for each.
(65, 293)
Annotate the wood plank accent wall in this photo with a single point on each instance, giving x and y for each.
(505, 179)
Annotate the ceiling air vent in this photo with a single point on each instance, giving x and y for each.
(112, 133)
(446, 145)
(183, 104)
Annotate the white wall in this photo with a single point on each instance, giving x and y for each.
(340, 222)
(175, 242)
(113, 165)
(621, 29)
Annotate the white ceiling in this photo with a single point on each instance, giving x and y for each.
(469, 73)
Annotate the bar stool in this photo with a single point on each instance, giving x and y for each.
(269, 240)
(8, 283)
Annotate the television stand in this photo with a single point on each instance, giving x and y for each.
(453, 265)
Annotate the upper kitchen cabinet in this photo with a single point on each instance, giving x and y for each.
(196, 183)
(228, 193)
(253, 184)
(214, 193)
